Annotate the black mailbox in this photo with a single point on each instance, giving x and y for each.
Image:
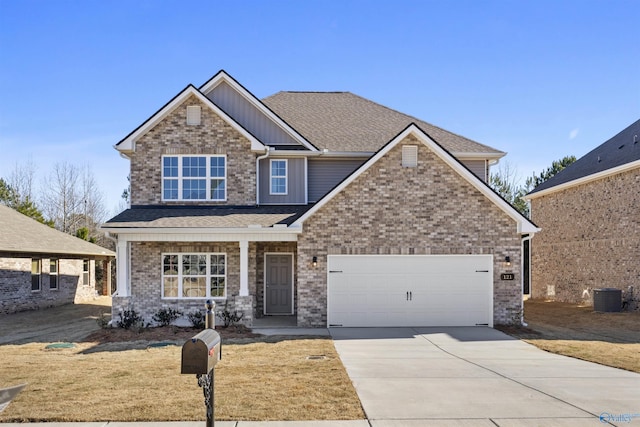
(201, 353)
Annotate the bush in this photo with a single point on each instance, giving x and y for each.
(166, 316)
(130, 319)
(230, 318)
(197, 319)
(103, 321)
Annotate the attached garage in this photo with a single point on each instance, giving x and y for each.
(409, 290)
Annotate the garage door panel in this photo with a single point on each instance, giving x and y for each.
(410, 290)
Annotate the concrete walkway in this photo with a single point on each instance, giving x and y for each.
(479, 377)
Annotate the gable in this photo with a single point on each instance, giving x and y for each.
(434, 164)
(128, 144)
(224, 91)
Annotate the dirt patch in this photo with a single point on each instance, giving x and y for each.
(611, 339)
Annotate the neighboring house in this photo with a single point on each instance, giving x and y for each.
(590, 218)
(43, 267)
(326, 206)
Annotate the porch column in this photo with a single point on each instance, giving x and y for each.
(244, 268)
(122, 270)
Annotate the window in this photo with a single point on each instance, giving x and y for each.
(35, 275)
(194, 178)
(85, 272)
(194, 275)
(194, 113)
(409, 156)
(278, 177)
(53, 274)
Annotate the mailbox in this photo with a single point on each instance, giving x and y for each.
(201, 353)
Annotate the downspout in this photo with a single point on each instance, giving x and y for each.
(526, 238)
(267, 150)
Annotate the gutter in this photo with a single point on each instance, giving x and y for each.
(267, 150)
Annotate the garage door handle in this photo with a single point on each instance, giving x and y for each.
(482, 271)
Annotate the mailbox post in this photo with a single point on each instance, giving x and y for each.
(200, 355)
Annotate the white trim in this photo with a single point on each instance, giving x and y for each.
(584, 180)
(524, 226)
(264, 284)
(283, 234)
(271, 176)
(222, 76)
(128, 144)
(181, 178)
(207, 275)
(244, 268)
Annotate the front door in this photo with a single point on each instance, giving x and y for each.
(278, 284)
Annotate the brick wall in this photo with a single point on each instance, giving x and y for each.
(173, 136)
(15, 285)
(389, 209)
(590, 239)
(146, 279)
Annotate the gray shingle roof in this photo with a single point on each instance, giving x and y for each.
(21, 234)
(621, 149)
(205, 216)
(342, 121)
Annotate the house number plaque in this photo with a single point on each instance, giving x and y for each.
(507, 276)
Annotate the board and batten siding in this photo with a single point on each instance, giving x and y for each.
(324, 174)
(296, 183)
(249, 116)
(478, 167)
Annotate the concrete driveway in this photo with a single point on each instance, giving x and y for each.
(479, 376)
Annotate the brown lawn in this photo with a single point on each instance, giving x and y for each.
(611, 339)
(116, 375)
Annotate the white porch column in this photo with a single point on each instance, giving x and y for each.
(122, 267)
(244, 268)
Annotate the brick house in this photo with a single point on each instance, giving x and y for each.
(42, 267)
(320, 205)
(589, 214)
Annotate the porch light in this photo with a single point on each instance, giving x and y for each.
(314, 261)
(507, 261)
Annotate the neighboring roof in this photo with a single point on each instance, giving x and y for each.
(204, 217)
(342, 121)
(524, 225)
(21, 234)
(613, 155)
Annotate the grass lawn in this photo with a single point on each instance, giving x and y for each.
(257, 379)
(611, 339)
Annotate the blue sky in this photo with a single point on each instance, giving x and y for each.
(537, 79)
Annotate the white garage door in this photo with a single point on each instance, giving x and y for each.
(410, 290)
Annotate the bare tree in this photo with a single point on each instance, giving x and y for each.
(506, 182)
(22, 180)
(61, 198)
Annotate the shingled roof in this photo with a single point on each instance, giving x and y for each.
(342, 121)
(20, 234)
(619, 150)
(205, 216)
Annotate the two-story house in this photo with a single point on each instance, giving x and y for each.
(322, 205)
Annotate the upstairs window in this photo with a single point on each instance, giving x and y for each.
(278, 177)
(194, 178)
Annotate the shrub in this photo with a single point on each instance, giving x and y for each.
(103, 321)
(166, 316)
(230, 318)
(197, 319)
(130, 319)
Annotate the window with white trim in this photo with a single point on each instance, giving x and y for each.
(86, 272)
(278, 177)
(199, 275)
(53, 274)
(194, 178)
(35, 275)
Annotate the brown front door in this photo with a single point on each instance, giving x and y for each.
(278, 284)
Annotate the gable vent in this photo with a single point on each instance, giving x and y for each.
(194, 113)
(409, 156)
